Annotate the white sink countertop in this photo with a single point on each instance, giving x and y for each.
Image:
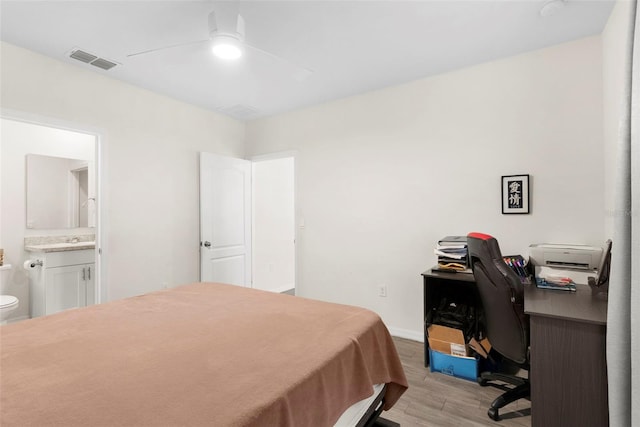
(59, 243)
(60, 247)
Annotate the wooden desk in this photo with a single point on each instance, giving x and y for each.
(568, 357)
(460, 287)
(568, 354)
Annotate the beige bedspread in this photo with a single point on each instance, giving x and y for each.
(198, 355)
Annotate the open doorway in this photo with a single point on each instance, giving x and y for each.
(82, 215)
(32, 149)
(274, 223)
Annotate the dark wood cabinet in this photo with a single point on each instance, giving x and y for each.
(568, 358)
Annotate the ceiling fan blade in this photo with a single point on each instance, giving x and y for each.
(300, 72)
(166, 47)
(227, 23)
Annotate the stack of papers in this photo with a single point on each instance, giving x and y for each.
(553, 283)
(458, 252)
(452, 254)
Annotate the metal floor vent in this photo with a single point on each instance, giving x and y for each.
(89, 58)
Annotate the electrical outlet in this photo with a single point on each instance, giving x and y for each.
(382, 290)
(165, 285)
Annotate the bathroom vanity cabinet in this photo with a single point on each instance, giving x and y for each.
(65, 280)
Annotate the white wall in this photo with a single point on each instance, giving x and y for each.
(382, 176)
(150, 146)
(47, 201)
(614, 50)
(273, 224)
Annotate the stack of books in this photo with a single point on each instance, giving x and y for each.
(452, 254)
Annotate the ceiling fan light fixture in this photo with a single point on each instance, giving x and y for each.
(226, 47)
(551, 7)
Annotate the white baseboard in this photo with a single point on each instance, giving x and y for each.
(17, 319)
(283, 289)
(406, 333)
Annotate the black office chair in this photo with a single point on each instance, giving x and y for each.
(507, 327)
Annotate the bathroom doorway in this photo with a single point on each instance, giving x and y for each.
(81, 212)
(35, 144)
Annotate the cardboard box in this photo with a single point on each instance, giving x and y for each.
(482, 348)
(460, 367)
(447, 340)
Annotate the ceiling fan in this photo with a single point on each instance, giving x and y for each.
(227, 39)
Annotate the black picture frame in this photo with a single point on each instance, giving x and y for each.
(516, 196)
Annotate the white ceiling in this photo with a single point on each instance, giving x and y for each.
(352, 46)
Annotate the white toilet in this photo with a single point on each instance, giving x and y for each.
(8, 303)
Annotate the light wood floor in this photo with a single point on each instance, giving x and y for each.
(438, 400)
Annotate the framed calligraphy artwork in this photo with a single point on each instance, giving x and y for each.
(515, 194)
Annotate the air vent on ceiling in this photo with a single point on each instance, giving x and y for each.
(240, 112)
(104, 64)
(89, 58)
(83, 56)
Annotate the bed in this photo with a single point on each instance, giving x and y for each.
(200, 354)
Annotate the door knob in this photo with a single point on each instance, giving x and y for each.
(207, 244)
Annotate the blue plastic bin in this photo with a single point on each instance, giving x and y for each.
(460, 367)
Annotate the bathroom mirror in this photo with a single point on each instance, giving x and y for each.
(60, 192)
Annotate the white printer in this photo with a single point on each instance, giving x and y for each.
(575, 261)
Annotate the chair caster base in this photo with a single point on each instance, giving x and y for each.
(493, 414)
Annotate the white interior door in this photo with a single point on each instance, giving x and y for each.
(225, 220)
